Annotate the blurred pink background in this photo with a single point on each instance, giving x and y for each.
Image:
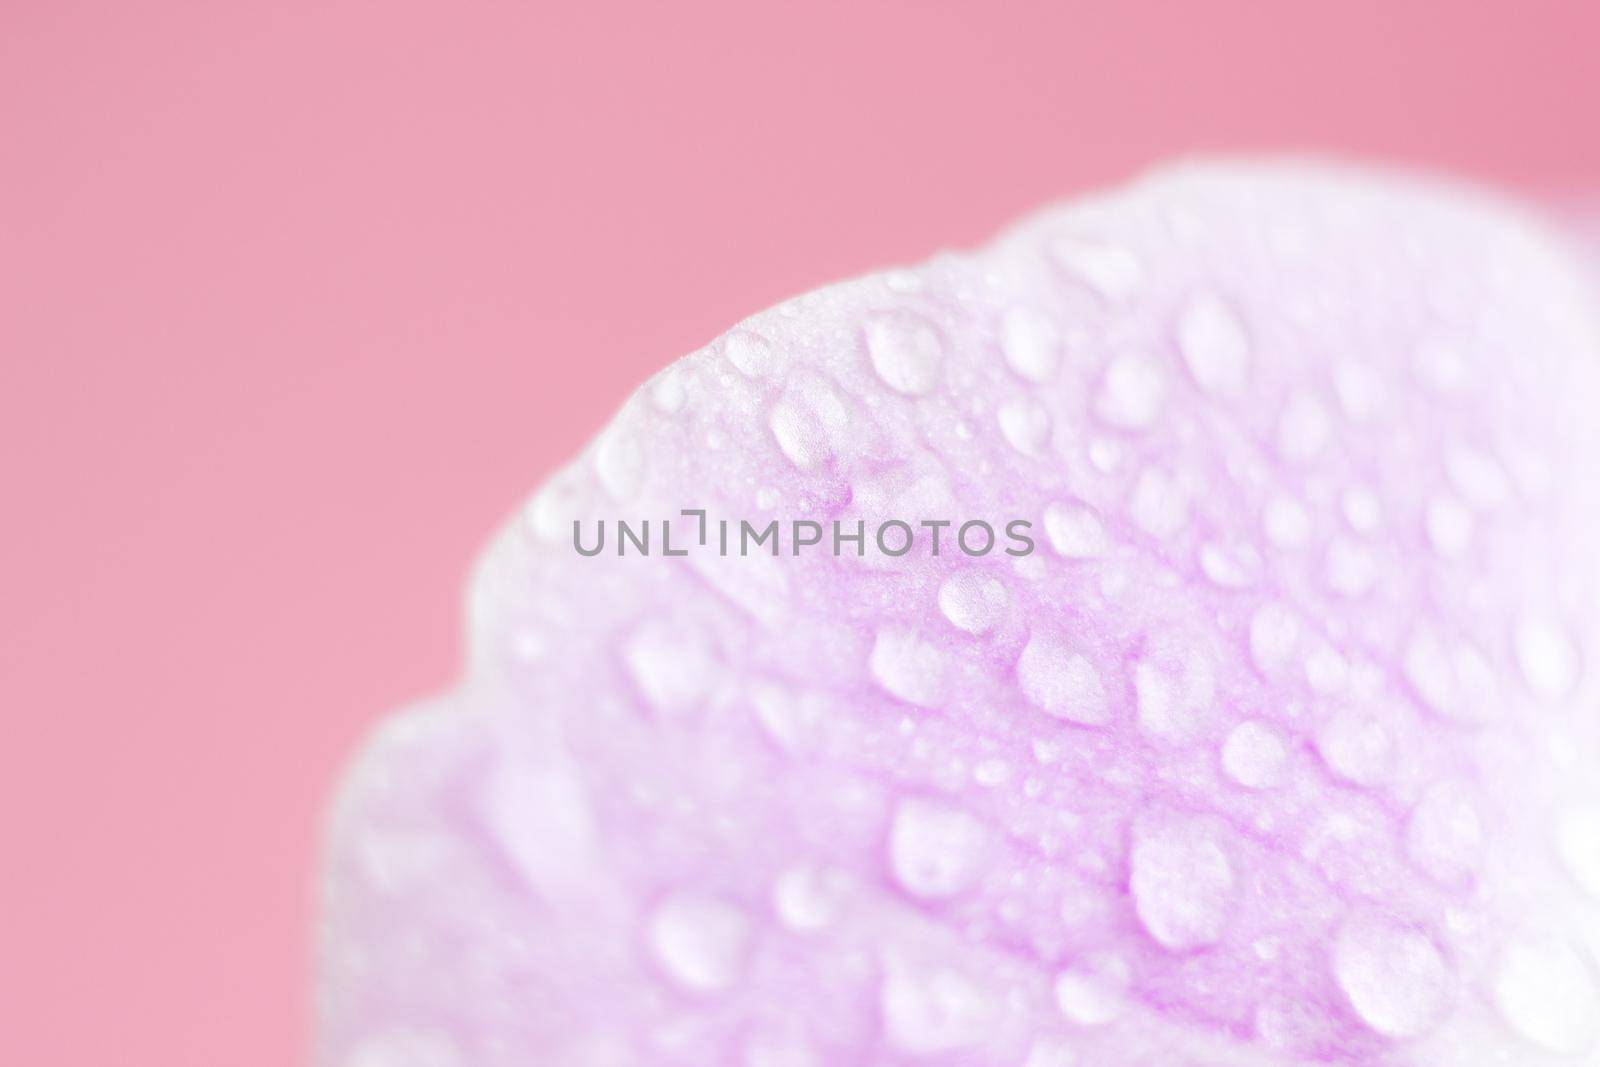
(298, 301)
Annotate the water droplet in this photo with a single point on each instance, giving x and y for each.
(973, 601)
(1444, 835)
(1304, 428)
(1326, 670)
(1214, 344)
(809, 898)
(1031, 344)
(1549, 995)
(991, 772)
(1095, 992)
(672, 666)
(1274, 636)
(1074, 531)
(1362, 509)
(1394, 976)
(931, 1011)
(1111, 270)
(1160, 505)
(1132, 392)
(908, 667)
(1051, 1052)
(1352, 569)
(1255, 755)
(1452, 680)
(1360, 390)
(1548, 658)
(1062, 682)
(1478, 477)
(1449, 527)
(700, 942)
(668, 392)
(1182, 883)
(1440, 366)
(1578, 842)
(1230, 566)
(808, 422)
(751, 354)
(1025, 424)
(1286, 522)
(619, 461)
(906, 351)
(935, 849)
(1174, 683)
(406, 1047)
(1356, 747)
(787, 1049)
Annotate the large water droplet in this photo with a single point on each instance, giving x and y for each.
(1444, 835)
(1394, 976)
(1182, 883)
(932, 1011)
(751, 354)
(1062, 682)
(1111, 270)
(1548, 658)
(1025, 424)
(809, 898)
(1094, 992)
(1549, 994)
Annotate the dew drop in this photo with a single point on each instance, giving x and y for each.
(1095, 992)
(700, 942)
(1031, 344)
(1174, 683)
(936, 850)
(1025, 424)
(1132, 392)
(751, 354)
(808, 898)
(933, 1011)
(1356, 747)
(1214, 344)
(1182, 883)
(1062, 682)
(1304, 428)
(406, 1047)
(1394, 976)
(1449, 526)
(1548, 658)
(808, 421)
(1255, 755)
(1110, 270)
(1274, 635)
(1051, 1052)
(906, 352)
(1159, 505)
(673, 667)
(1549, 995)
(1074, 531)
(1362, 509)
(1444, 835)
(1578, 843)
(908, 667)
(1286, 522)
(973, 601)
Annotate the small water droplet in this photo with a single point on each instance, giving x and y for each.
(809, 898)
(1214, 344)
(752, 354)
(1449, 527)
(907, 352)
(1031, 343)
(973, 601)
(1255, 755)
(1286, 522)
(1304, 428)
(1578, 842)
(933, 1011)
(1132, 392)
(1362, 509)
(1159, 505)
(808, 422)
(1274, 636)
(908, 667)
(672, 666)
(700, 942)
(1093, 992)
(1025, 424)
(1444, 835)
(406, 1046)
(1111, 270)
(1356, 747)
(1074, 531)
(1548, 658)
